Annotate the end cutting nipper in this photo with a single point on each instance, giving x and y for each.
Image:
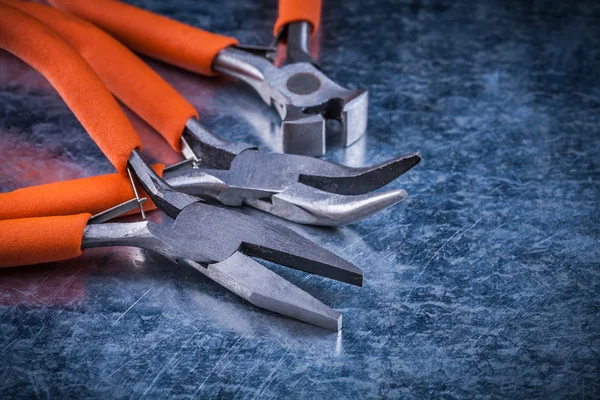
(302, 94)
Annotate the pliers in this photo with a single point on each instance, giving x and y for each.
(304, 97)
(299, 188)
(215, 241)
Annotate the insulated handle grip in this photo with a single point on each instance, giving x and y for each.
(36, 240)
(298, 10)
(152, 34)
(131, 80)
(76, 82)
(85, 195)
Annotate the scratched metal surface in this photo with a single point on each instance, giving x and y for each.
(484, 282)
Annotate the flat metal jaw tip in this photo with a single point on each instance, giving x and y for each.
(306, 205)
(209, 234)
(354, 116)
(265, 289)
(305, 129)
(304, 97)
(304, 134)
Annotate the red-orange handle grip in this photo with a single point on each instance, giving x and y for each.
(298, 10)
(131, 80)
(85, 195)
(152, 34)
(36, 240)
(76, 82)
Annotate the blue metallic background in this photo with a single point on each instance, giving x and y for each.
(485, 282)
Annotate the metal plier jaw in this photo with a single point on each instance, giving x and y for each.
(299, 188)
(304, 97)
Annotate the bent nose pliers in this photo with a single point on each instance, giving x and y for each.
(215, 241)
(299, 188)
(304, 97)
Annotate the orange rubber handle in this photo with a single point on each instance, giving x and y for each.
(76, 82)
(130, 80)
(298, 10)
(36, 240)
(152, 34)
(86, 195)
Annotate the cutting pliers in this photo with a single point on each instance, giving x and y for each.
(304, 97)
(299, 188)
(215, 241)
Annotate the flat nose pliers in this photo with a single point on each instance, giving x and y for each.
(215, 241)
(304, 97)
(299, 188)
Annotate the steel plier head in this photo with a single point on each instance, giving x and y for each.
(299, 188)
(302, 94)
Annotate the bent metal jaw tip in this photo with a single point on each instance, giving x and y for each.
(306, 205)
(346, 180)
